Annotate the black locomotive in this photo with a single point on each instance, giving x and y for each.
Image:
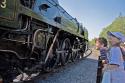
(37, 35)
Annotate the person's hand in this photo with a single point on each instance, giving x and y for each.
(104, 62)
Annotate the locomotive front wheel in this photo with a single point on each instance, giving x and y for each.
(65, 48)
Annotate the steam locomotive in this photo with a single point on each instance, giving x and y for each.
(36, 36)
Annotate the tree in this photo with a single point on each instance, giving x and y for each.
(117, 25)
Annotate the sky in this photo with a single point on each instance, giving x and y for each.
(94, 14)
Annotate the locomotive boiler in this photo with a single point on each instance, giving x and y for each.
(36, 36)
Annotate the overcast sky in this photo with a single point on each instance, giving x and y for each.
(94, 14)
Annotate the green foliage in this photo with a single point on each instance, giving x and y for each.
(92, 42)
(117, 25)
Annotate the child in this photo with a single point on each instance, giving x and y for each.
(101, 45)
